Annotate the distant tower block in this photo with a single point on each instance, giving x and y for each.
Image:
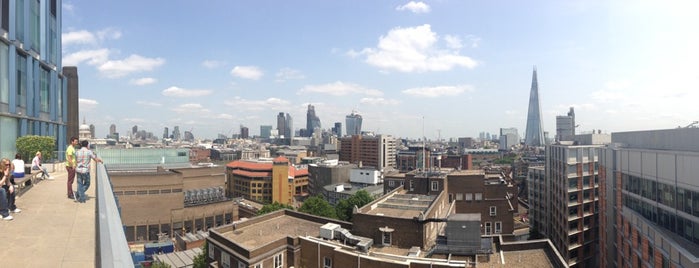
(535, 129)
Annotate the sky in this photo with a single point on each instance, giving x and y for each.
(445, 68)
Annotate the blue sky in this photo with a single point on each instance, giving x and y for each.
(463, 66)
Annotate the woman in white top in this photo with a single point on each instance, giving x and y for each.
(18, 163)
(36, 165)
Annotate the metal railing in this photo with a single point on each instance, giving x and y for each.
(111, 249)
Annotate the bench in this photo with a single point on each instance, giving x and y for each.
(30, 178)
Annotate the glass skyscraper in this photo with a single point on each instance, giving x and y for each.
(535, 129)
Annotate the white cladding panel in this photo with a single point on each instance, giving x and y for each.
(648, 162)
(666, 166)
(688, 169)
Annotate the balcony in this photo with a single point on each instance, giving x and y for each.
(54, 231)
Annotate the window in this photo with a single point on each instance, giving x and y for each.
(479, 196)
(278, 261)
(21, 62)
(4, 74)
(19, 20)
(498, 227)
(488, 227)
(459, 196)
(468, 196)
(386, 238)
(327, 262)
(259, 265)
(412, 187)
(242, 265)
(34, 25)
(493, 210)
(5, 15)
(435, 186)
(391, 183)
(44, 93)
(225, 259)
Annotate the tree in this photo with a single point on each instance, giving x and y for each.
(200, 261)
(27, 146)
(316, 205)
(344, 207)
(273, 207)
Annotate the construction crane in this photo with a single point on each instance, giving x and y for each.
(692, 125)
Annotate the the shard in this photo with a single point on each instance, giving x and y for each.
(535, 129)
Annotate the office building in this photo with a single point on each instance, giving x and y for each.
(650, 199)
(565, 198)
(176, 135)
(353, 122)
(508, 138)
(327, 173)
(266, 181)
(112, 129)
(534, 135)
(565, 126)
(244, 132)
(265, 131)
(312, 121)
(285, 125)
(367, 150)
(337, 129)
(37, 95)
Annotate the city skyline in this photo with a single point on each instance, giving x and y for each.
(463, 67)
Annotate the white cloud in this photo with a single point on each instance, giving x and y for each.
(618, 84)
(68, 7)
(132, 64)
(143, 81)
(339, 89)
(78, 37)
(247, 72)
(87, 104)
(224, 116)
(415, 49)
(289, 74)
(109, 33)
(190, 108)
(256, 105)
(475, 40)
(212, 64)
(185, 93)
(438, 91)
(453, 42)
(93, 57)
(134, 120)
(149, 103)
(415, 7)
(378, 101)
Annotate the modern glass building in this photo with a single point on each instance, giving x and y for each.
(353, 122)
(650, 199)
(33, 90)
(535, 129)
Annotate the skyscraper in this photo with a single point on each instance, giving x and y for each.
(265, 131)
(535, 130)
(166, 133)
(285, 125)
(112, 129)
(337, 129)
(565, 126)
(312, 120)
(354, 123)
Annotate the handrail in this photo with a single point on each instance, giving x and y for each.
(112, 249)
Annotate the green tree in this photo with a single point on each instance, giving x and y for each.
(27, 146)
(317, 205)
(200, 261)
(273, 207)
(344, 207)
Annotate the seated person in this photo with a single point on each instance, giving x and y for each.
(18, 164)
(36, 165)
(5, 178)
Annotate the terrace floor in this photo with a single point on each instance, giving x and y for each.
(51, 230)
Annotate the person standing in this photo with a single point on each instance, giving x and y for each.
(70, 165)
(84, 156)
(36, 165)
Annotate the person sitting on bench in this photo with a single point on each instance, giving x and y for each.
(36, 165)
(18, 165)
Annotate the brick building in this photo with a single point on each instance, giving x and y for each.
(154, 202)
(267, 180)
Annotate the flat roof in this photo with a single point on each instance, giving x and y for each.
(533, 258)
(259, 234)
(406, 206)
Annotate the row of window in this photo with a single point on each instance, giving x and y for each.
(148, 192)
(675, 197)
(669, 220)
(277, 260)
(468, 196)
(498, 228)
